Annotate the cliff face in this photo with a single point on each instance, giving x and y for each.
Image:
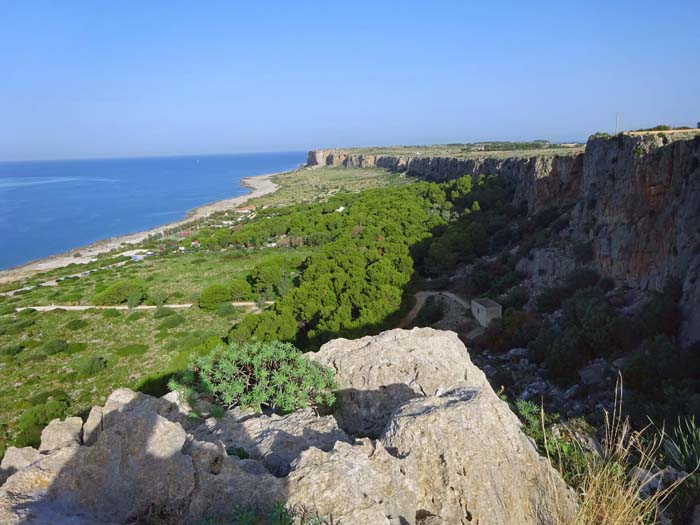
(636, 200)
(639, 206)
(539, 180)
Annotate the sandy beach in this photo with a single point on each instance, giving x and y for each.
(260, 185)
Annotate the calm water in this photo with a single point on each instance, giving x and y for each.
(52, 207)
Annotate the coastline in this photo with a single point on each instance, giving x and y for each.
(258, 184)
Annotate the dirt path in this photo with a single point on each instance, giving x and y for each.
(83, 307)
(421, 297)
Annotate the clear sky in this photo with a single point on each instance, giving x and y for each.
(108, 79)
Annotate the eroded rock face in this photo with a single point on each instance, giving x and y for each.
(472, 462)
(376, 374)
(276, 440)
(355, 484)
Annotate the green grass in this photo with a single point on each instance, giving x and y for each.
(320, 183)
(179, 277)
(476, 150)
(106, 354)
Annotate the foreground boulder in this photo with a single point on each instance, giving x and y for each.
(355, 484)
(472, 462)
(376, 374)
(450, 452)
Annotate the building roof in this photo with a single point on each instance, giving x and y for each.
(486, 302)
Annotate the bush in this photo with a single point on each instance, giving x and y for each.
(213, 296)
(119, 293)
(11, 350)
(163, 312)
(74, 348)
(227, 310)
(34, 419)
(76, 324)
(432, 311)
(135, 299)
(171, 322)
(132, 349)
(257, 375)
(110, 313)
(240, 290)
(580, 279)
(157, 298)
(91, 366)
(514, 330)
(549, 300)
(135, 316)
(55, 346)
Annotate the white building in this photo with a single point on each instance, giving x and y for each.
(485, 310)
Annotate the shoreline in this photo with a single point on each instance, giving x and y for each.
(258, 184)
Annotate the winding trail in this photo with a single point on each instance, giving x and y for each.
(421, 297)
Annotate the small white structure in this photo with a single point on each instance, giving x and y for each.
(486, 310)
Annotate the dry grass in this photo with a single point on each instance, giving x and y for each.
(607, 493)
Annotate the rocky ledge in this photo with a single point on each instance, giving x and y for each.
(419, 438)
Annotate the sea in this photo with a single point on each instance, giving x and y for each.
(49, 207)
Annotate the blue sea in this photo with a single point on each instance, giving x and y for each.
(50, 207)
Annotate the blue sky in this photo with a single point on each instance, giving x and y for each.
(111, 79)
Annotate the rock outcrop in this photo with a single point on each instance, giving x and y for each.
(450, 452)
(376, 374)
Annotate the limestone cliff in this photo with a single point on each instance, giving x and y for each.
(540, 180)
(635, 198)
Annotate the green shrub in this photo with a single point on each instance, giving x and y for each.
(213, 296)
(135, 299)
(432, 311)
(34, 419)
(119, 293)
(255, 375)
(514, 330)
(11, 350)
(76, 324)
(171, 322)
(7, 309)
(681, 446)
(157, 298)
(163, 312)
(55, 346)
(110, 313)
(135, 316)
(74, 348)
(132, 349)
(227, 310)
(240, 290)
(549, 299)
(91, 366)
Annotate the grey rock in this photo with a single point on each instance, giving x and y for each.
(594, 372)
(354, 484)
(473, 464)
(58, 434)
(16, 459)
(276, 440)
(377, 374)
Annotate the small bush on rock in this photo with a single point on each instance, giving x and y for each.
(258, 375)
